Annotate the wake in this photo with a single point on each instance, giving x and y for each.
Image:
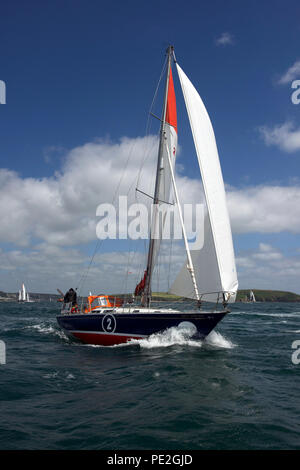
(182, 336)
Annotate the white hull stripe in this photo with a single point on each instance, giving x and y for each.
(105, 333)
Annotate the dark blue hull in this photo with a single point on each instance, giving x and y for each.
(115, 328)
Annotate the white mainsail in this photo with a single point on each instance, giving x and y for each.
(165, 181)
(214, 263)
(162, 192)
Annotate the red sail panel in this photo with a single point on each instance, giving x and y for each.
(141, 285)
(171, 114)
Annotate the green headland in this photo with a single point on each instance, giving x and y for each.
(243, 295)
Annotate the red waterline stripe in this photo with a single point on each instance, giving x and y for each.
(103, 339)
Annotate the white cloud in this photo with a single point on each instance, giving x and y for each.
(269, 269)
(264, 209)
(265, 248)
(284, 136)
(47, 219)
(61, 209)
(292, 73)
(224, 40)
(44, 268)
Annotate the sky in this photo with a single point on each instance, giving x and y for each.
(80, 78)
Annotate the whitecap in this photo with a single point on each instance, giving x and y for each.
(217, 340)
(170, 337)
(44, 329)
(70, 376)
(278, 315)
(52, 375)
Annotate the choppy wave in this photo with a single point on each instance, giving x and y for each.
(56, 375)
(47, 329)
(56, 391)
(278, 315)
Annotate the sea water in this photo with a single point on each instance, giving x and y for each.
(238, 389)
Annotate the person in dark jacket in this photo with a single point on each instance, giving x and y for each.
(71, 296)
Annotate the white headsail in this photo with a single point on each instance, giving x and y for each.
(214, 264)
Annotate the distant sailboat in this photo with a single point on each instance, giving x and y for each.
(252, 296)
(23, 295)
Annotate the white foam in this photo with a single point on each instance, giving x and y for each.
(52, 375)
(47, 330)
(41, 328)
(169, 337)
(70, 377)
(219, 341)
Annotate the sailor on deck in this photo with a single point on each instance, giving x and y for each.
(71, 296)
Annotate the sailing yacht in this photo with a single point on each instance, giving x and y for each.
(208, 274)
(24, 295)
(252, 296)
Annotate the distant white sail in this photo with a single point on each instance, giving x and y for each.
(214, 264)
(252, 296)
(23, 293)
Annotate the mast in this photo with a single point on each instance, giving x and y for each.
(150, 261)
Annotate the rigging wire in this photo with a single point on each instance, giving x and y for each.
(132, 255)
(147, 153)
(100, 242)
(149, 119)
